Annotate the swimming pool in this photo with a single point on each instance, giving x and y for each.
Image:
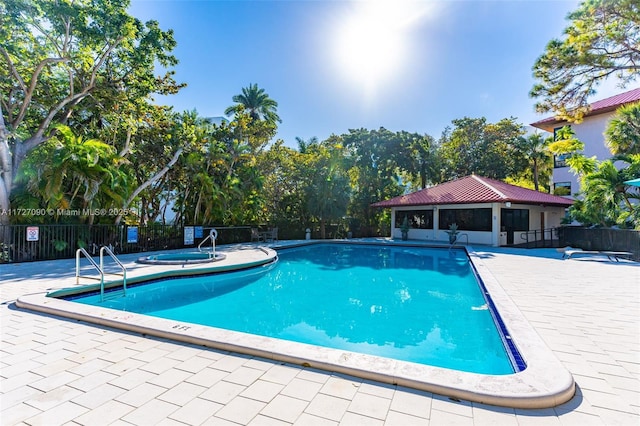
(544, 383)
(422, 305)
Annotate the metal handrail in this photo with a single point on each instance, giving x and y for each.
(93, 263)
(458, 238)
(106, 249)
(542, 232)
(213, 235)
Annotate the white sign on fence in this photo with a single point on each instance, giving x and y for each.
(188, 235)
(33, 233)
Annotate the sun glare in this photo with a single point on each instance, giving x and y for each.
(372, 43)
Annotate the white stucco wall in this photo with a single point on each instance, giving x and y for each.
(440, 235)
(591, 132)
(552, 219)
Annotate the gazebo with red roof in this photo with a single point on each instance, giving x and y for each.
(489, 211)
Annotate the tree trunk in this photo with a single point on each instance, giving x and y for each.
(6, 172)
(149, 182)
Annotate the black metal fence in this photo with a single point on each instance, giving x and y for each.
(25, 243)
(601, 239)
(539, 238)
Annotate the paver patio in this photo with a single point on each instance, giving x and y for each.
(59, 371)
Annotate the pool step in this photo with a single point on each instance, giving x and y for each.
(114, 294)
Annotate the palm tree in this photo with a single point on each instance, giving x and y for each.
(607, 200)
(303, 146)
(535, 149)
(623, 131)
(69, 172)
(257, 103)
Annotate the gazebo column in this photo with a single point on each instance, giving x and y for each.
(495, 224)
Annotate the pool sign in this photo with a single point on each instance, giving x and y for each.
(33, 233)
(132, 234)
(188, 235)
(199, 231)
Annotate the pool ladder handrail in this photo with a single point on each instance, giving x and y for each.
(106, 249)
(80, 251)
(100, 268)
(213, 235)
(458, 238)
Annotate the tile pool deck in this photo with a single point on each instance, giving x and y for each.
(58, 371)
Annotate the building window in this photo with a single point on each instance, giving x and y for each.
(514, 219)
(466, 219)
(418, 219)
(559, 160)
(562, 188)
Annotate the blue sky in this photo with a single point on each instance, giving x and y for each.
(338, 65)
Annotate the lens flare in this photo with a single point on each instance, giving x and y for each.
(372, 43)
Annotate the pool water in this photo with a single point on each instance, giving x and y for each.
(414, 304)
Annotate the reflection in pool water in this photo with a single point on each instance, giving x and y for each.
(421, 305)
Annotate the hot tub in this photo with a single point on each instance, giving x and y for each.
(181, 258)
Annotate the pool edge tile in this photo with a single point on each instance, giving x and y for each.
(544, 383)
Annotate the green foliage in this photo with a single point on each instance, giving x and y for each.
(606, 200)
(535, 150)
(328, 191)
(568, 145)
(601, 41)
(90, 66)
(404, 227)
(453, 233)
(218, 180)
(67, 62)
(71, 173)
(474, 146)
(257, 103)
(623, 131)
(384, 164)
(562, 191)
(287, 174)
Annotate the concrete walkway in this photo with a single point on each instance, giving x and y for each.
(55, 371)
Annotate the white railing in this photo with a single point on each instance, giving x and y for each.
(213, 235)
(93, 263)
(106, 249)
(100, 269)
(460, 235)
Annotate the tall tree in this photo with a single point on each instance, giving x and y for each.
(219, 181)
(374, 174)
(328, 192)
(534, 148)
(57, 56)
(287, 175)
(601, 41)
(257, 103)
(486, 149)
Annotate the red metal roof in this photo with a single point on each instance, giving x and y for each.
(599, 107)
(474, 189)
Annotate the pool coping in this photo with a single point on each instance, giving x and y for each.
(544, 383)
